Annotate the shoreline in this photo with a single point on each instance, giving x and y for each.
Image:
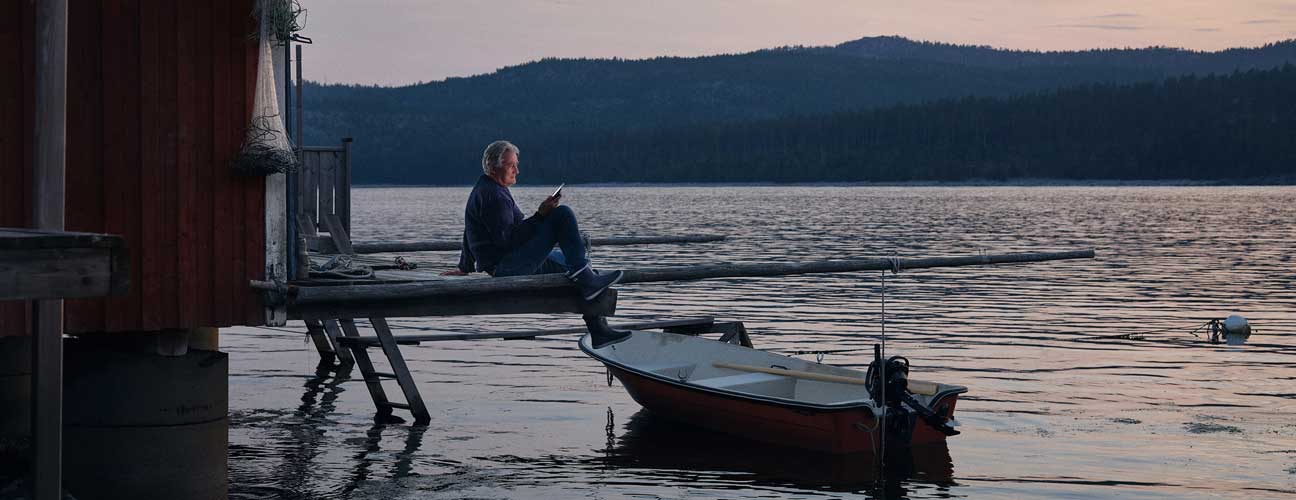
(1025, 182)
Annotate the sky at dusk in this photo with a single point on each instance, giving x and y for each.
(399, 42)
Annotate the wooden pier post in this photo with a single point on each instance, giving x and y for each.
(47, 214)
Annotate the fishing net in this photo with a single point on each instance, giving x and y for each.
(266, 149)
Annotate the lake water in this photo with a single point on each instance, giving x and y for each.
(1049, 414)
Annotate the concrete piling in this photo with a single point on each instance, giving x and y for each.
(143, 425)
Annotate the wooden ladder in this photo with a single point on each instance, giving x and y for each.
(335, 338)
(330, 338)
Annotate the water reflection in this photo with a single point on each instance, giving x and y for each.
(680, 451)
(1048, 415)
(401, 462)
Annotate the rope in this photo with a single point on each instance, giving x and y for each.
(1132, 335)
(262, 152)
(283, 18)
(340, 267)
(266, 148)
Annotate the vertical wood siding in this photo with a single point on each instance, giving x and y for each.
(17, 20)
(159, 93)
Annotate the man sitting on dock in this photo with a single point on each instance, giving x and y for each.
(500, 241)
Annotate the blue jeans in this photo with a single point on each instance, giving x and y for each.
(538, 255)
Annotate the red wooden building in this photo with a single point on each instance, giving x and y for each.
(159, 94)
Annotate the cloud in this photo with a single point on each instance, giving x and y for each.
(977, 19)
(1118, 15)
(1261, 21)
(1097, 26)
(1206, 29)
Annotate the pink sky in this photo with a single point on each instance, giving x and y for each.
(396, 42)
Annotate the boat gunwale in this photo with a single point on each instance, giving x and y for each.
(745, 396)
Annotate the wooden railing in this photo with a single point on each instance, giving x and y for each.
(324, 186)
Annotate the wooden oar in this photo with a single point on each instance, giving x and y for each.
(915, 386)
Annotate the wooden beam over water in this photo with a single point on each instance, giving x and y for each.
(522, 285)
(503, 302)
(705, 322)
(326, 246)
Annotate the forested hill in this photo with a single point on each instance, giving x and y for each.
(1239, 126)
(1166, 60)
(433, 133)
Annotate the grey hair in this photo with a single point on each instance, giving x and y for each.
(494, 155)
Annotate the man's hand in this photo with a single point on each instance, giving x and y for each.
(549, 204)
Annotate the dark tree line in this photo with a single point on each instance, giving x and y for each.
(566, 113)
(1236, 126)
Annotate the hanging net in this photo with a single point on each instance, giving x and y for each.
(266, 149)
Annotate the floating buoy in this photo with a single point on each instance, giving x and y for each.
(1233, 330)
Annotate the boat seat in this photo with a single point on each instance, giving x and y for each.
(669, 369)
(740, 379)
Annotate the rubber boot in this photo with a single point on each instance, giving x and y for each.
(591, 284)
(602, 335)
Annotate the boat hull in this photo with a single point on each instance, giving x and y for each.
(844, 430)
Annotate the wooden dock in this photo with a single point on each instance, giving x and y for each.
(329, 302)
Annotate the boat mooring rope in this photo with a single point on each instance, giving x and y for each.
(1138, 335)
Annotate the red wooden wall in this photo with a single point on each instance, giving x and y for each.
(159, 93)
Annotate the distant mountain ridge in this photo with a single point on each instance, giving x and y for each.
(895, 47)
(433, 132)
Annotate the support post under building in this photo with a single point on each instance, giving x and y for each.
(47, 214)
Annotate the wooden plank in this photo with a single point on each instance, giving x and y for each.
(13, 127)
(341, 240)
(335, 341)
(503, 303)
(307, 228)
(85, 180)
(671, 273)
(655, 240)
(322, 149)
(152, 222)
(166, 102)
(229, 286)
(442, 337)
(260, 255)
(298, 180)
(309, 194)
(323, 346)
(59, 273)
(28, 100)
(13, 133)
(299, 134)
(36, 239)
(326, 176)
(189, 277)
(47, 204)
(198, 27)
(47, 399)
(271, 201)
(122, 148)
(364, 363)
(451, 245)
(342, 199)
(401, 370)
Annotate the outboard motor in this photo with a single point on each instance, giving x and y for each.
(901, 407)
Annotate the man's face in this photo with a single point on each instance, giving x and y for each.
(508, 169)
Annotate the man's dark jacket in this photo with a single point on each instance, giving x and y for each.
(493, 226)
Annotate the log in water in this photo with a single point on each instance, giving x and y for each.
(326, 246)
